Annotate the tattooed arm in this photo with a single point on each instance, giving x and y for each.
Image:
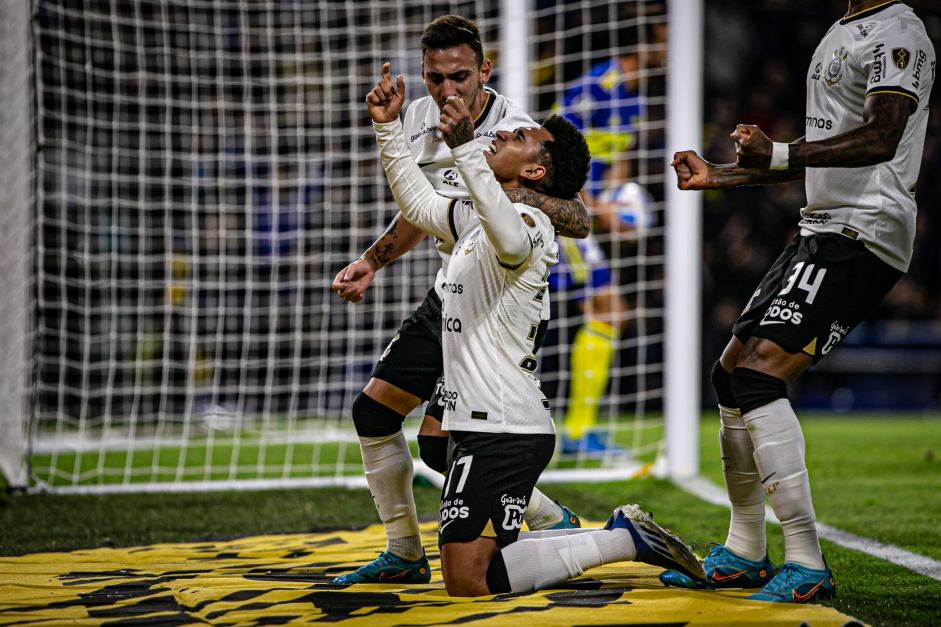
(693, 173)
(569, 217)
(874, 141)
(400, 237)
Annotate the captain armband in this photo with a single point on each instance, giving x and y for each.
(779, 156)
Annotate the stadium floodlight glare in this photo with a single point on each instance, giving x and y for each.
(201, 172)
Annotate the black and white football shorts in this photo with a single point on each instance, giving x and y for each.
(435, 407)
(412, 361)
(817, 291)
(489, 484)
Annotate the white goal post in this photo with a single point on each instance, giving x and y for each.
(182, 181)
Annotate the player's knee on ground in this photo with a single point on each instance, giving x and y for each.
(753, 389)
(372, 419)
(722, 384)
(464, 567)
(433, 450)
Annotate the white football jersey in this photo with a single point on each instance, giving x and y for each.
(434, 157)
(882, 50)
(490, 315)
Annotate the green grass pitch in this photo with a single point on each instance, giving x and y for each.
(878, 476)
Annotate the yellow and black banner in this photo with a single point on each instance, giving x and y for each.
(286, 580)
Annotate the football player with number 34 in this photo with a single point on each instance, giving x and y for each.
(867, 112)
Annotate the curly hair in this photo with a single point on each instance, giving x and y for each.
(566, 158)
(451, 31)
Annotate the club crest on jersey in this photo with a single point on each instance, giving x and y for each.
(528, 219)
(835, 69)
(901, 57)
(470, 246)
(385, 353)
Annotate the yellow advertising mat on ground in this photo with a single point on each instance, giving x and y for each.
(286, 579)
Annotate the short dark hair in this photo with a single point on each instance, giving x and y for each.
(451, 31)
(566, 158)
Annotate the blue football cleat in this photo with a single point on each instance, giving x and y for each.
(592, 445)
(724, 569)
(569, 519)
(654, 544)
(797, 584)
(389, 568)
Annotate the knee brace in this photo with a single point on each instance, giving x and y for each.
(755, 389)
(433, 449)
(372, 419)
(722, 384)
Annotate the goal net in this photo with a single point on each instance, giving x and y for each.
(203, 169)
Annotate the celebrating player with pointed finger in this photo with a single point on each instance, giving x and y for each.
(867, 110)
(408, 372)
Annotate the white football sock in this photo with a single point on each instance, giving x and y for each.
(388, 464)
(542, 512)
(747, 527)
(779, 455)
(534, 564)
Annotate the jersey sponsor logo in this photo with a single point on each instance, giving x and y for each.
(835, 69)
(452, 288)
(448, 399)
(452, 325)
(423, 130)
(817, 69)
(813, 122)
(837, 333)
(449, 511)
(513, 509)
(901, 57)
(450, 178)
(920, 59)
(811, 217)
(878, 65)
(865, 28)
(782, 311)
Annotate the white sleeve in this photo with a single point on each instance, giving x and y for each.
(501, 221)
(420, 204)
(897, 62)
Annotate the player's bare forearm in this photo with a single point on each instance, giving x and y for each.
(884, 120)
(695, 173)
(569, 217)
(732, 175)
(398, 239)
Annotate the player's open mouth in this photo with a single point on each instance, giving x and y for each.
(492, 149)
